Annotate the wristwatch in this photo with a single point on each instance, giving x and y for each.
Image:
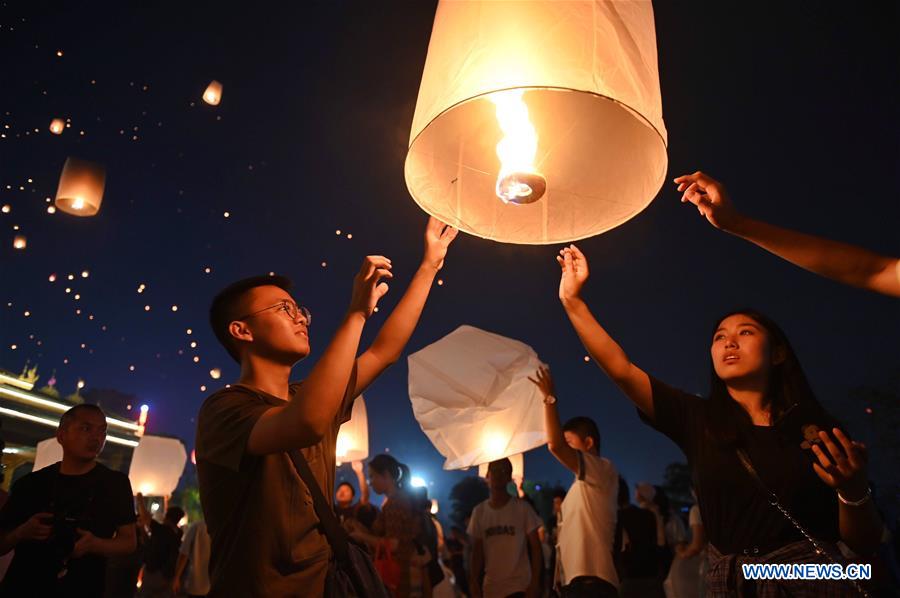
(549, 400)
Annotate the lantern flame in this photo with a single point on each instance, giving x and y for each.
(517, 181)
(494, 445)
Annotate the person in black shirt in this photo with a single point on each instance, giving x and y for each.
(66, 519)
(762, 404)
(160, 550)
(635, 549)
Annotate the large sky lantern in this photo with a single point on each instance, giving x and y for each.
(57, 126)
(353, 438)
(157, 465)
(471, 395)
(47, 452)
(81, 185)
(538, 122)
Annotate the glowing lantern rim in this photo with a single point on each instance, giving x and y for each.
(639, 207)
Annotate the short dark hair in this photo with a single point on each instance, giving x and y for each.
(69, 416)
(174, 514)
(503, 464)
(585, 427)
(348, 485)
(226, 304)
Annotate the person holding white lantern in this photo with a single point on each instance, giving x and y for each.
(588, 511)
(747, 449)
(266, 535)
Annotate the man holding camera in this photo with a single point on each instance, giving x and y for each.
(66, 519)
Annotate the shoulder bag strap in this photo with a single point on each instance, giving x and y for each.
(773, 500)
(337, 536)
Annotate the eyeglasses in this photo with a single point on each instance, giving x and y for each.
(289, 307)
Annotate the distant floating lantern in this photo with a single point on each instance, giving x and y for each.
(57, 126)
(538, 122)
(19, 242)
(215, 373)
(81, 185)
(213, 93)
(353, 438)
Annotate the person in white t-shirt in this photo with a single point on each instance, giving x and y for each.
(505, 544)
(585, 547)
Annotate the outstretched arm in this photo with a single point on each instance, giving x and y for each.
(632, 380)
(391, 340)
(361, 480)
(842, 262)
(556, 440)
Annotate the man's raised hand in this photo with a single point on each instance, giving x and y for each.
(369, 286)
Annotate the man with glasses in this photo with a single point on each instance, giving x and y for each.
(265, 535)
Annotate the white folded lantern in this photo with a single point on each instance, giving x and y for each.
(471, 395)
(47, 452)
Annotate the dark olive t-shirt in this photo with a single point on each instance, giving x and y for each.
(265, 535)
(736, 512)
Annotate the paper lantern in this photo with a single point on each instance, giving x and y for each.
(538, 122)
(518, 465)
(47, 452)
(471, 396)
(57, 125)
(156, 465)
(80, 190)
(353, 438)
(20, 242)
(213, 93)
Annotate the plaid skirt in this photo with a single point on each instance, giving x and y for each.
(725, 578)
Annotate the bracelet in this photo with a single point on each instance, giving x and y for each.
(549, 400)
(856, 503)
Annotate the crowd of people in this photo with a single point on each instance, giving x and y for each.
(777, 478)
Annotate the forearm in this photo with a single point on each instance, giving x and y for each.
(630, 379)
(398, 328)
(363, 488)
(114, 546)
(475, 572)
(839, 261)
(8, 540)
(537, 563)
(181, 565)
(320, 396)
(860, 527)
(556, 440)
(602, 348)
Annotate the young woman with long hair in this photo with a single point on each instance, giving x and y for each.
(762, 411)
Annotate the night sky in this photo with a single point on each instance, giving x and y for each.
(794, 105)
